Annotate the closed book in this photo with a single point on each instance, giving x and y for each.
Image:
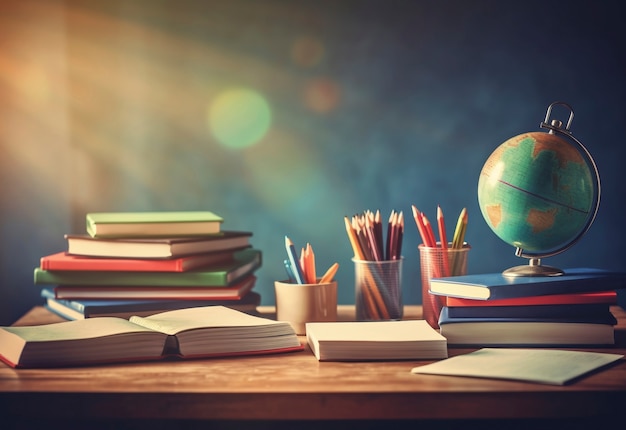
(65, 261)
(246, 261)
(490, 286)
(234, 291)
(538, 331)
(152, 224)
(530, 311)
(80, 309)
(605, 297)
(375, 340)
(156, 247)
(209, 331)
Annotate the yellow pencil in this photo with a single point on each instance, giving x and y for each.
(459, 231)
(354, 241)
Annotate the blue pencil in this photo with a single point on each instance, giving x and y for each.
(290, 275)
(293, 258)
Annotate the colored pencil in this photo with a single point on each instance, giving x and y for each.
(372, 240)
(419, 221)
(399, 236)
(444, 241)
(293, 259)
(428, 228)
(309, 261)
(289, 270)
(354, 241)
(459, 232)
(330, 274)
(374, 300)
(378, 230)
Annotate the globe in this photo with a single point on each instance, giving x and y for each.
(537, 192)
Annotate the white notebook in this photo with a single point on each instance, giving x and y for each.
(375, 340)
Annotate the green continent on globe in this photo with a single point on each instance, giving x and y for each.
(536, 192)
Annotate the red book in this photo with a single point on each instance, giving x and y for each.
(233, 292)
(603, 297)
(65, 261)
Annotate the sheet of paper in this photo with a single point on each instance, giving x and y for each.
(546, 366)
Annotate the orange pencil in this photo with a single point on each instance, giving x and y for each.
(354, 241)
(310, 264)
(359, 229)
(330, 274)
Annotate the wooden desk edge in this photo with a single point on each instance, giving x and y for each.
(536, 403)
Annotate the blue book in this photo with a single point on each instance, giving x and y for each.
(530, 311)
(83, 308)
(489, 286)
(531, 331)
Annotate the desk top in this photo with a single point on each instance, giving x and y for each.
(296, 386)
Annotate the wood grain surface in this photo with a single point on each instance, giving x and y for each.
(295, 386)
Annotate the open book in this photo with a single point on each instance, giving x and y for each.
(186, 333)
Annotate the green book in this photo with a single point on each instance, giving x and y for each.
(152, 224)
(246, 262)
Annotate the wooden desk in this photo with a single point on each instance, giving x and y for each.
(295, 386)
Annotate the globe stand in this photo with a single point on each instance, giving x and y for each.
(534, 267)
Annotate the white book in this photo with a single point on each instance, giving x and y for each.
(375, 340)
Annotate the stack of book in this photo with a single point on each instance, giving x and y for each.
(142, 263)
(493, 310)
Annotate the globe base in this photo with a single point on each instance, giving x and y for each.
(533, 268)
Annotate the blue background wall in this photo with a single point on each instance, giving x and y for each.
(116, 106)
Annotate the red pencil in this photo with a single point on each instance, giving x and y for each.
(444, 241)
(420, 226)
(428, 228)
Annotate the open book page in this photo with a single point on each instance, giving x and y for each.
(214, 330)
(173, 322)
(556, 367)
(94, 340)
(72, 330)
